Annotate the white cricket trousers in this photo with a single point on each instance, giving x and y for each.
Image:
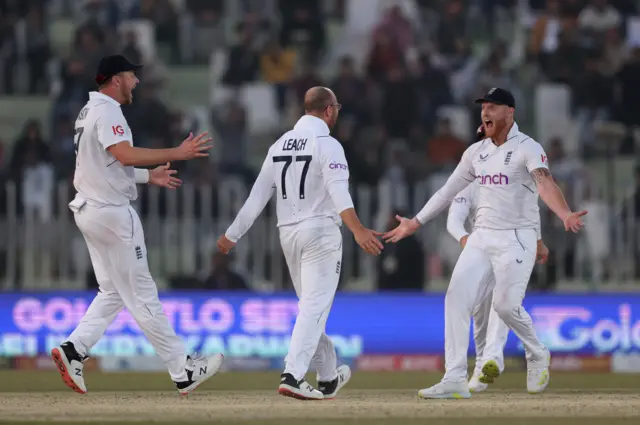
(313, 251)
(118, 253)
(510, 255)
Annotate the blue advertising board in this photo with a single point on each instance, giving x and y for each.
(245, 324)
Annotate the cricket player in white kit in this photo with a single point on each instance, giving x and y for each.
(489, 331)
(511, 169)
(307, 171)
(105, 180)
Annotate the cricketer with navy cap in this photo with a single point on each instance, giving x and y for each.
(511, 171)
(105, 181)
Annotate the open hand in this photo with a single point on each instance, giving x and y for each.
(367, 239)
(407, 227)
(224, 244)
(194, 147)
(573, 222)
(163, 176)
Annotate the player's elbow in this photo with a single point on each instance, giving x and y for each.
(123, 153)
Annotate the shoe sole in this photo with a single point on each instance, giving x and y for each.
(63, 368)
(191, 388)
(490, 372)
(448, 396)
(290, 392)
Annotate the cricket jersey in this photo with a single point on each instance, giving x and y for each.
(307, 171)
(507, 197)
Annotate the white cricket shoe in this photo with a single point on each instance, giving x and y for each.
(475, 386)
(331, 388)
(456, 390)
(199, 369)
(538, 374)
(301, 389)
(70, 365)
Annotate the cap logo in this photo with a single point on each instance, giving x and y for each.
(491, 91)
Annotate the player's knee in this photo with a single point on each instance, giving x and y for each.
(506, 308)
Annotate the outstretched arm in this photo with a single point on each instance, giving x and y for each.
(261, 192)
(553, 197)
(461, 178)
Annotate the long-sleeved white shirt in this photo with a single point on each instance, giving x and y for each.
(507, 196)
(461, 217)
(307, 170)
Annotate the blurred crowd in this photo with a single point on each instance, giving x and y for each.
(423, 56)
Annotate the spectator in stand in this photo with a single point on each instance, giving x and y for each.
(244, 64)
(627, 87)
(278, 65)
(545, 34)
(165, 23)
(303, 27)
(599, 16)
(351, 91)
(401, 266)
(383, 57)
(222, 278)
(30, 142)
(308, 78)
(435, 91)
(63, 147)
(444, 149)
(564, 63)
(397, 27)
(593, 94)
(493, 74)
(205, 11)
(230, 122)
(452, 26)
(38, 49)
(614, 52)
(131, 51)
(399, 103)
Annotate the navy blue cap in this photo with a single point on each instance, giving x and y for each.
(113, 65)
(499, 97)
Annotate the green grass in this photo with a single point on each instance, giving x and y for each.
(45, 381)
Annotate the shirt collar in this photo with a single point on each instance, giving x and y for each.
(313, 123)
(96, 95)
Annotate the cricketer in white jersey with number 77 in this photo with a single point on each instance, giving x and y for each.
(307, 171)
(489, 331)
(105, 180)
(511, 170)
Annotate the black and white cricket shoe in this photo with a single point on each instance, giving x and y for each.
(70, 364)
(199, 369)
(330, 389)
(301, 389)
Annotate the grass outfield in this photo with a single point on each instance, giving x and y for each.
(371, 398)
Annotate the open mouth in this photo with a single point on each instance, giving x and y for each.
(488, 124)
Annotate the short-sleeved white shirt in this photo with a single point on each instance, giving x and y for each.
(99, 177)
(507, 197)
(303, 163)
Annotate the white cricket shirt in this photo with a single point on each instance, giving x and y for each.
(462, 213)
(307, 171)
(507, 196)
(99, 177)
